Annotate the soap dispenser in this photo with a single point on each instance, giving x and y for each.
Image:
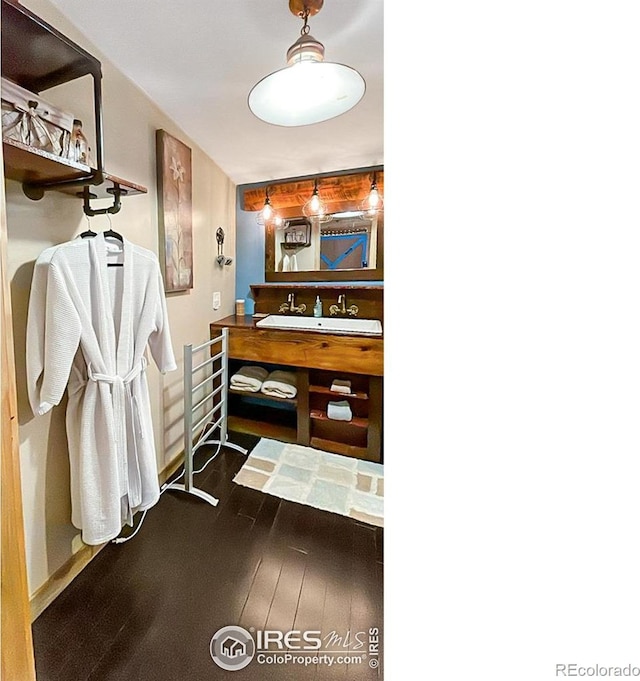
(317, 308)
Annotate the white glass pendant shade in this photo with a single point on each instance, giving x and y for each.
(305, 93)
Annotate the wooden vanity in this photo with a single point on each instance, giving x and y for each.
(317, 359)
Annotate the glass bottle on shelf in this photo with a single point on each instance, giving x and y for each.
(79, 145)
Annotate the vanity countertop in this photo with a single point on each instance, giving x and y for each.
(238, 322)
(320, 350)
(319, 286)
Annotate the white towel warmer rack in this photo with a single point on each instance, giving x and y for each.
(207, 423)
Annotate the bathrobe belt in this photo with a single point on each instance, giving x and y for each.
(123, 400)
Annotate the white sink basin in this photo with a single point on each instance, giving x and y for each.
(365, 327)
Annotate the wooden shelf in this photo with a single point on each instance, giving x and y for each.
(27, 164)
(323, 390)
(261, 396)
(340, 448)
(36, 56)
(356, 421)
(262, 428)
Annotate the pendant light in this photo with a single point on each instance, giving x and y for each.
(308, 90)
(268, 215)
(315, 207)
(373, 203)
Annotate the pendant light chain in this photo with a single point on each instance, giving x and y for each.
(305, 17)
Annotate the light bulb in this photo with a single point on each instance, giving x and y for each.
(374, 199)
(314, 204)
(314, 207)
(373, 202)
(268, 214)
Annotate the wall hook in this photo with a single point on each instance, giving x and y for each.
(222, 259)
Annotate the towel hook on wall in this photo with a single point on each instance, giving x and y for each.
(222, 259)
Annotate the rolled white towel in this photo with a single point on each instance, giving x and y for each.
(280, 384)
(340, 385)
(249, 378)
(339, 411)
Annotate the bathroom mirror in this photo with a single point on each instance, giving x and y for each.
(347, 247)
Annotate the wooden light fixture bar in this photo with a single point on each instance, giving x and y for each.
(339, 193)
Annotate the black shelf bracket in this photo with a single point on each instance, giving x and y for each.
(117, 192)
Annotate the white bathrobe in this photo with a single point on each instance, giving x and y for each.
(98, 320)
(36, 317)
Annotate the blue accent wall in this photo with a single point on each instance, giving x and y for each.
(250, 245)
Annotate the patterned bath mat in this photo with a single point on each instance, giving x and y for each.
(340, 484)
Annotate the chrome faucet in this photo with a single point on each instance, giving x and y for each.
(290, 305)
(341, 307)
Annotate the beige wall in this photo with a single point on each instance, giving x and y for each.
(130, 122)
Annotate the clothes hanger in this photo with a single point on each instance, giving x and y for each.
(110, 232)
(88, 232)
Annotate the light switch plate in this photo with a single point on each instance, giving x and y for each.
(216, 300)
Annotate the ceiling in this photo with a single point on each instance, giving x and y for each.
(198, 60)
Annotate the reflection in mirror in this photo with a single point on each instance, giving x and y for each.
(346, 241)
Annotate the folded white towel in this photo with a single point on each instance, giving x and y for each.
(339, 411)
(341, 386)
(280, 384)
(249, 378)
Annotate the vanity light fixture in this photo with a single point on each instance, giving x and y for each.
(373, 202)
(315, 208)
(308, 90)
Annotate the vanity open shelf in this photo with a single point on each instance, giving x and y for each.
(356, 421)
(266, 398)
(259, 414)
(323, 390)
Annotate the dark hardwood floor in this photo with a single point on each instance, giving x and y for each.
(146, 610)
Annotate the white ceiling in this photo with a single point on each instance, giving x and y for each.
(198, 60)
